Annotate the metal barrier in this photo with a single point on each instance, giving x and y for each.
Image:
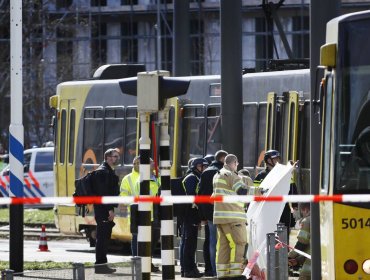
(7, 274)
(277, 260)
(78, 271)
(136, 268)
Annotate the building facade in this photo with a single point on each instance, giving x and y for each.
(69, 39)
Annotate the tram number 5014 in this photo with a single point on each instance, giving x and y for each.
(353, 223)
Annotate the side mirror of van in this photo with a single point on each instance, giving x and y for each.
(26, 168)
(6, 172)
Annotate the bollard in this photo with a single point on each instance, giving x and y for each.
(7, 274)
(283, 252)
(78, 271)
(271, 256)
(136, 268)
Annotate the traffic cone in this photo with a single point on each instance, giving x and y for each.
(43, 245)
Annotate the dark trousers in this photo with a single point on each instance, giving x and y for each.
(103, 234)
(188, 246)
(206, 253)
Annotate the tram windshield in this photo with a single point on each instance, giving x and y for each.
(352, 140)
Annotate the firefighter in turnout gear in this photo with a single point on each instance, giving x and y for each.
(230, 219)
(302, 244)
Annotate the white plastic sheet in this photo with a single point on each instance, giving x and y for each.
(263, 216)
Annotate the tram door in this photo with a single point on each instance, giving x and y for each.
(282, 124)
(65, 155)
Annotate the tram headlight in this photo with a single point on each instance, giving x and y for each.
(366, 266)
(350, 266)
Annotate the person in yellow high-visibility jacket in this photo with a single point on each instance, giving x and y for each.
(128, 183)
(130, 186)
(230, 219)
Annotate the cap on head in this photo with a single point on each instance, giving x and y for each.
(270, 154)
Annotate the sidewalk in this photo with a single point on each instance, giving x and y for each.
(123, 272)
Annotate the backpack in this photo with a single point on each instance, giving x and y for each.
(83, 187)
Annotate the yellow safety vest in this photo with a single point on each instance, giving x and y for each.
(128, 184)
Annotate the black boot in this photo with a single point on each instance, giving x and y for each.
(104, 269)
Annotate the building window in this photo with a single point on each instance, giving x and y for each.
(98, 44)
(197, 47)
(301, 37)
(129, 2)
(64, 54)
(98, 3)
(60, 4)
(129, 44)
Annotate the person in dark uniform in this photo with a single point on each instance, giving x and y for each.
(191, 221)
(271, 158)
(105, 183)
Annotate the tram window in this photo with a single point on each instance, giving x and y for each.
(193, 133)
(213, 140)
(303, 132)
(291, 131)
(130, 135)
(303, 183)
(62, 136)
(93, 133)
(171, 128)
(262, 109)
(250, 133)
(270, 121)
(113, 128)
(352, 126)
(71, 150)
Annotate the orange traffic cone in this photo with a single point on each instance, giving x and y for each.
(43, 245)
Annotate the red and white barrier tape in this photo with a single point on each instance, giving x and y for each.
(183, 199)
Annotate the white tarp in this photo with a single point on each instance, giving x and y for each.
(263, 216)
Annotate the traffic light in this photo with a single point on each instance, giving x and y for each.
(153, 89)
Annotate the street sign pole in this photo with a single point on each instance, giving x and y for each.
(16, 132)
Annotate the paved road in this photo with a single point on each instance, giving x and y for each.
(59, 251)
(72, 250)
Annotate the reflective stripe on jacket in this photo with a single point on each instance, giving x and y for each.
(227, 182)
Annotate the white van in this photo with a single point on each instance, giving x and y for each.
(38, 174)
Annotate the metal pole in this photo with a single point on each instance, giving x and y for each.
(78, 271)
(144, 238)
(271, 256)
(16, 136)
(159, 44)
(320, 13)
(181, 38)
(7, 274)
(231, 77)
(166, 209)
(283, 252)
(136, 268)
